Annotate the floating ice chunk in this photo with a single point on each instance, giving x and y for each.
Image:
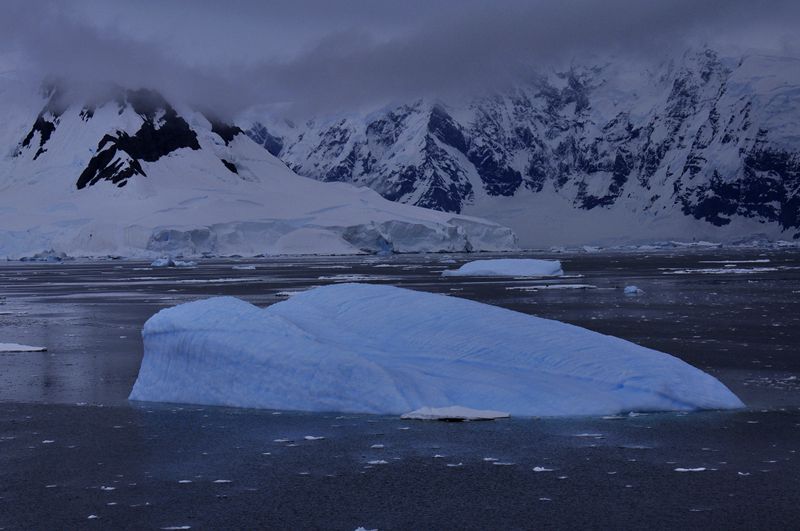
(541, 469)
(377, 446)
(633, 290)
(453, 413)
(169, 262)
(721, 271)
(222, 481)
(378, 462)
(508, 267)
(16, 347)
(244, 267)
(380, 349)
(699, 469)
(313, 438)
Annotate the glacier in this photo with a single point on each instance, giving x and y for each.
(387, 350)
(507, 267)
(134, 176)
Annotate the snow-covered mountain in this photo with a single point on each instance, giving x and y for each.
(127, 173)
(702, 147)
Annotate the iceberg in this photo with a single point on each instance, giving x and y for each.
(507, 267)
(381, 349)
(16, 347)
(453, 413)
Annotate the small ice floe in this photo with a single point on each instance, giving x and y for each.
(50, 256)
(698, 469)
(552, 286)
(169, 262)
(541, 469)
(107, 489)
(377, 446)
(743, 473)
(378, 462)
(244, 267)
(313, 438)
(729, 262)
(184, 481)
(589, 435)
(281, 440)
(222, 481)
(351, 278)
(53, 485)
(632, 291)
(16, 347)
(455, 465)
(176, 527)
(439, 456)
(48, 441)
(503, 463)
(491, 459)
(507, 267)
(721, 271)
(453, 414)
(92, 517)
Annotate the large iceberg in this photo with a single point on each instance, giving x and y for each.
(507, 267)
(382, 349)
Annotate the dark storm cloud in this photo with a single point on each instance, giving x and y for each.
(320, 54)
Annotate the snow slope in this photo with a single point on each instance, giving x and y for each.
(129, 174)
(382, 349)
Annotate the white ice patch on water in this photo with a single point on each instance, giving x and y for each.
(380, 349)
(453, 413)
(508, 267)
(721, 271)
(16, 347)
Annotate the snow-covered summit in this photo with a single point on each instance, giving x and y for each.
(130, 174)
(382, 349)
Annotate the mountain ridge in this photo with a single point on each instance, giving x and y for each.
(710, 138)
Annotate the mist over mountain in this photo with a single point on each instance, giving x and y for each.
(572, 123)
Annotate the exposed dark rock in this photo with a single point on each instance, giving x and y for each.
(230, 165)
(119, 156)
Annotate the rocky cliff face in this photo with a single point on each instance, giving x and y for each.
(703, 143)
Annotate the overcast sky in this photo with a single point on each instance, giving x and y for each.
(326, 54)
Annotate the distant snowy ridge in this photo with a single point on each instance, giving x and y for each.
(387, 350)
(704, 146)
(131, 175)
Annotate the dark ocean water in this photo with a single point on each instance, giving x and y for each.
(735, 314)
